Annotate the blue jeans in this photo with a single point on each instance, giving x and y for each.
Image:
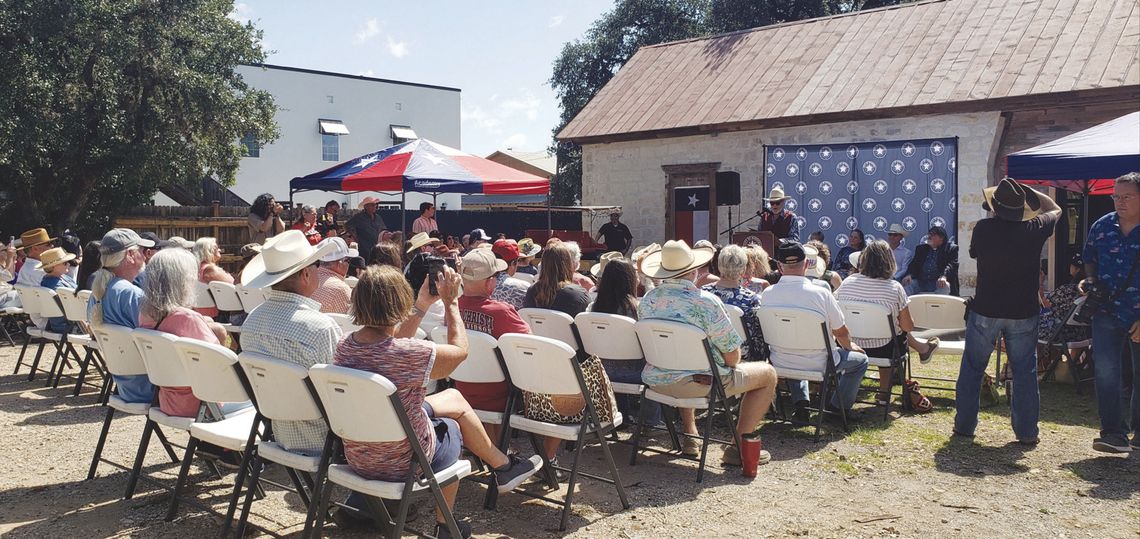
(1112, 349)
(926, 286)
(629, 372)
(852, 366)
(1021, 348)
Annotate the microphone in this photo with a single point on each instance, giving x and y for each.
(761, 213)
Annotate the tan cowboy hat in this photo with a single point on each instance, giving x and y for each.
(596, 269)
(675, 258)
(1012, 201)
(419, 240)
(776, 195)
(639, 254)
(53, 257)
(367, 201)
(282, 256)
(34, 237)
(897, 229)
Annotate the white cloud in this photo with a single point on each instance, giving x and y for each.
(556, 21)
(399, 49)
(241, 13)
(516, 141)
(370, 30)
(478, 117)
(525, 103)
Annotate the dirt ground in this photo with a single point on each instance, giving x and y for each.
(900, 478)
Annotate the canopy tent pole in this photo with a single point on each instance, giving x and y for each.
(403, 227)
(549, 219)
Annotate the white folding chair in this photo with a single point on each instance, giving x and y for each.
(50, 307)
(549, 366)
(525, 277)
(12, 320)
(736, 316)
(251, 297)
(556, 325)
(873, 321)
(75, 309)
(202, 297)
(678, 346)
(1064, 348)
(225, 296)
(344, 393)
(939, 315)
(122, 358)
(345, 322)
(611, 337)
(30, 303)
(803, 330)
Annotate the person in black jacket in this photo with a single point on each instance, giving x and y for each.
(934, 268)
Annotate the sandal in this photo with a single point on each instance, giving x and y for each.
(933, 343)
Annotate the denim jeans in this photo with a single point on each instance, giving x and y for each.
(1112, 351)
(1021, 348)
(926, 286)
(852, 366)
(629, 372)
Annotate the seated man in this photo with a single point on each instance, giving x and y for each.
(796, 290)
(115, 299)
(332, 291)
(679, 300)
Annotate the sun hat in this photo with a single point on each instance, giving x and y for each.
(853, 258)
(1012, 201)
(120, 239)
(528, 248)
(419, 240)
(34, 237)
(367, 201)
(281, 256)
(675, 258)
(639, 254)
(776, 195)
(606, 258)
(815, 267)
(480, 234)
(897, 229)
(159, 243)
(790, 252)
(339, 250)
(479, 264)
(179, 241)
(508, 250)
(53, 257)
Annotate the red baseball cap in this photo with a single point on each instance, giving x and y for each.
(508, 250)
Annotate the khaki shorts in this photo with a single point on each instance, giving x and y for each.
(741, 379)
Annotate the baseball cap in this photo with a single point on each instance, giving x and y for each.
(159, 243)
(121, 239)
(480, 264)
(480, 234)
(507, 250)
(338, 252)
(790, 252)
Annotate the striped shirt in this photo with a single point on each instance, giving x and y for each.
(886, 292)
(333, 293)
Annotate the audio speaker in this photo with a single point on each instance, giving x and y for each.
(727, 188)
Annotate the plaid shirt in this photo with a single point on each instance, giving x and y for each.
(333, 293)
(291, 327)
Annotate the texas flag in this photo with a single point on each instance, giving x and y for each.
(691, 214)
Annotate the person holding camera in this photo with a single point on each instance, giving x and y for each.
(1007, 247)
(1112, 257)
(264, 218)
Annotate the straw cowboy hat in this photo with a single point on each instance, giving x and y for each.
(897, 229)
(282, 256)
(776, 195)
(419, 240)
(675, 258)
(34, 237)
(596, 269)
(528, 248)
(1012, 201)
(54, 257)
(367, 201)
(639, 254)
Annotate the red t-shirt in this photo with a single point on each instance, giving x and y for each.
(494, 318)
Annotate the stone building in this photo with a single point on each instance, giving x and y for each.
(1000, 76)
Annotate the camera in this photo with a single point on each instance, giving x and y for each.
(1096, 295)
(425, 265)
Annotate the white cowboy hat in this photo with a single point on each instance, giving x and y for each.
(367, 201)
(675, 258)
(419, 240)
(640, 253)
(897, 229)
(776, 195)
(596, 269)
(282, 256)
(853, 258)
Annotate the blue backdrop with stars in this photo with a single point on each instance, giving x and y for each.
(837, 188)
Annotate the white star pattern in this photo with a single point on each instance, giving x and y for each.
(801, 187)
(791, 205)
(793, 170)
(880, 223)
(815, 205)
(952, 164)
(953, 204)
(801, 221)
(852, 152)
(898, 205)
(842, 169)
(897, 166)
(880, 151)
(693, 201)
(365, 161)
(778, 154)
(869, 167)
(801, 154)
(869, 238)
(824, 223)
(435, 159)
(825, 187)
(815, 169)
(908, 149)
(825, 153)
(852, 187)
(927, 204)
(937, 185)
(880, 186)
(869, 204)
(852, 223)
(936, 148)
(841, 240)
(770, 169)
(842, 205)
(909, 223)
(926, 165)
(780, 185)
(923, 239)
(908, 186)
(938, 221)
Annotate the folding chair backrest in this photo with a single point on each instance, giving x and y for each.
(673, 345)
(280, 388)
(1072, 320)
(351, 281)
(48, 302)
(540, 364)
(358, 404)
(74, 304)
(211, 372)
(736, 316)
(118, 349)
(29, 301)
(345, 322)
(202, 297)
(793, 328)
(163, 367)
(525, 277)
(867, 320)
(251, 297)
(225, 296)
(935, 311)
(609, 336)
(550, 323)
(482, 363)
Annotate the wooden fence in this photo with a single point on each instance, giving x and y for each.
(228, 224)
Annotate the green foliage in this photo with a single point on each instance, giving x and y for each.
(104, 102)
(585, 65)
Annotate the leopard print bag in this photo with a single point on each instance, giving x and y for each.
(569, 409)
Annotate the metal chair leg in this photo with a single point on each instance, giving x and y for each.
(136, 469)
(568, 503)
(166, 444)
(182, 473)
(614, 472)
(99, 445)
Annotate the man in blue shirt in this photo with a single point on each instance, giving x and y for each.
(1112, 254)
(115, 300)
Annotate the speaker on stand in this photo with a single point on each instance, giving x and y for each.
(728, 192)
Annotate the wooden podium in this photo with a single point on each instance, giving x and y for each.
(766, 239)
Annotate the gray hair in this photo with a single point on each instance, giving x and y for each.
(101, 279)
(204, 248)
(732, 262)
(877, 261)
(575, 253)
(171, 277)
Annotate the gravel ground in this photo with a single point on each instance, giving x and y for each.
(902, 478)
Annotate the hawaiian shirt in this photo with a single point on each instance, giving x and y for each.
(509, 290)
(681, 301)
(1113, 253)
(748, 301)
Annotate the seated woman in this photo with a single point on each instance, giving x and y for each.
(874, 283)
(826, 275)
(709, 274)
(842, 263)
(555, 288)
(732, 262)
(54, 264)
(307, 224)
(616, 287)
(759, 266)
(209, 254)
(1058, 305)
(444, 422)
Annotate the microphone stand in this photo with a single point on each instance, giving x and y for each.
(738, 225)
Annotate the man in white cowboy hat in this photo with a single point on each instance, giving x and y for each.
(421, 241)
(777, 218)
(679, 300)
(333, 292)
(366, 226)
(794, 289)
(507, 288)
(1008, 249)
(617, 235)
(895, 236)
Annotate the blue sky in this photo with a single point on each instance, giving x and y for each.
(498, 53)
